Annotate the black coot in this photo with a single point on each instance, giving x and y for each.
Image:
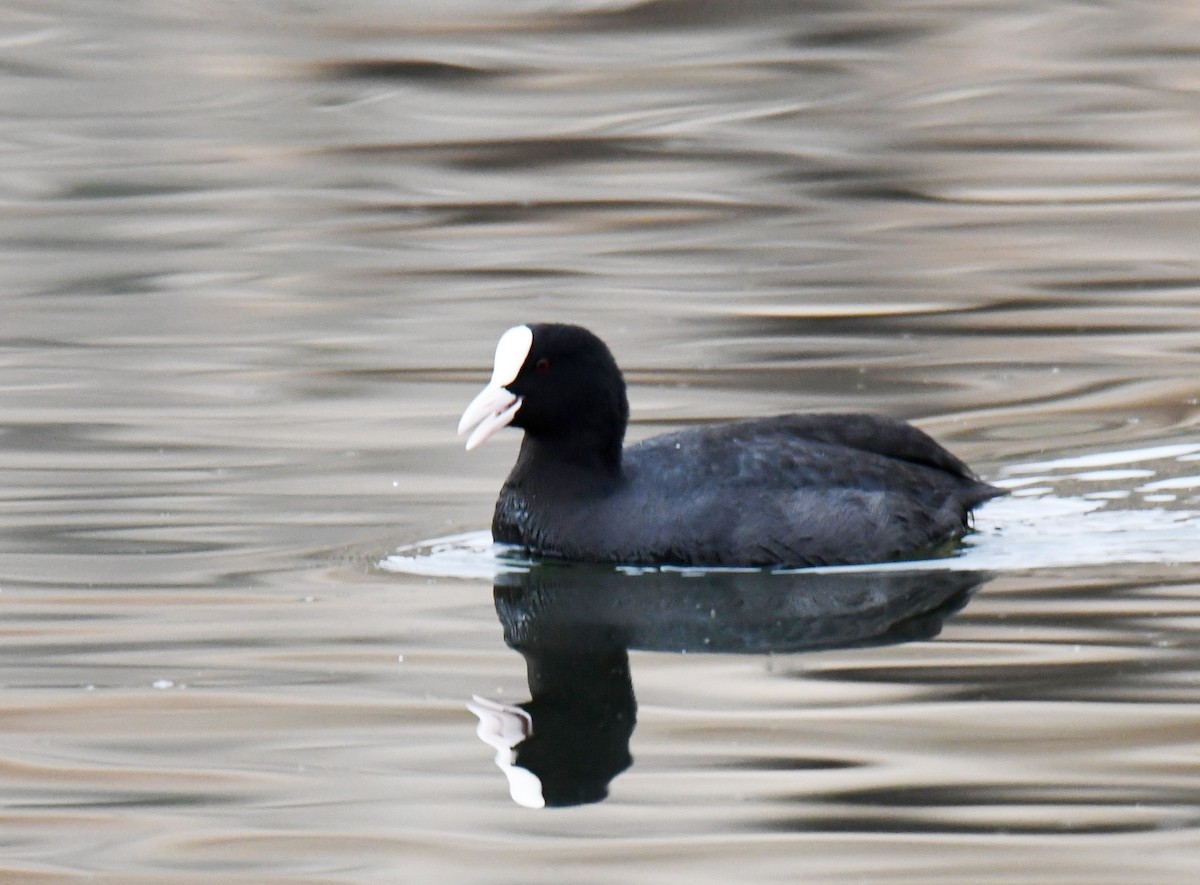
(793, 490)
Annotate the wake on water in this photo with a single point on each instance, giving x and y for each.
(1107, 508)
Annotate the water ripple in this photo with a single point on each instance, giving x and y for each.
(1041, 525)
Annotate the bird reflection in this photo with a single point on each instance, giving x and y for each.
(574, 624)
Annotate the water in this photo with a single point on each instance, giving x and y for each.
(255, 261)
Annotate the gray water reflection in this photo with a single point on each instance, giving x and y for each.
(252, 254)
(575, 624)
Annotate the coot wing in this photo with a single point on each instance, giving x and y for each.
(794, 490)
(866, 432)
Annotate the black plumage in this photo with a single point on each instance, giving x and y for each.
(791, 490)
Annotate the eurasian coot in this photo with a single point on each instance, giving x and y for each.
(792, 490)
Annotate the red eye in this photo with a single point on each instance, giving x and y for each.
(542, 366)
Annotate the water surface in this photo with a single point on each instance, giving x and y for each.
(255, 262)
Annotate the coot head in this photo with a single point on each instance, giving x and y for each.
(561, 385)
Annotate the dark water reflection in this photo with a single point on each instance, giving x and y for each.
(575, 625)
(254, 259)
